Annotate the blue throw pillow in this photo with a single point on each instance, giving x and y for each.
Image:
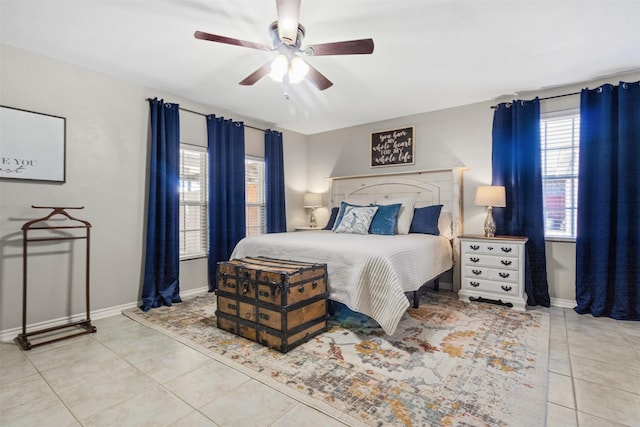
(425, 220)
(385, 220)
(332, 219)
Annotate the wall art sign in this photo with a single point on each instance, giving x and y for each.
(393, 147)
(32, 145)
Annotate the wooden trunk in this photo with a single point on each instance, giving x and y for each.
(277, 303)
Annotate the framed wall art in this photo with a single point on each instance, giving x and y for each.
(393, 147)
(32, 145)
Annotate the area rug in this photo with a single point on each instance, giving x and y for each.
(449, 363)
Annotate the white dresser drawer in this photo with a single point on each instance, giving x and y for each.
(490, 248)
(488, 287)
(490, 261)
(491, 274)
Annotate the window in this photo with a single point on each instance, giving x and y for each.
(193, 202)
(254, 170)
(560, 134)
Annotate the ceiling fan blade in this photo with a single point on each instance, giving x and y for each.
(257, 75)
(228, 40)
(351, 47)
(288, 20)
(318, 79)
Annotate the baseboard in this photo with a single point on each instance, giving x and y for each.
(10, 334)
(564, 303)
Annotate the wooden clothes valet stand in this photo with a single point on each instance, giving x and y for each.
(84, 325)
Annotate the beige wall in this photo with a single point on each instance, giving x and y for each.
(106, 151)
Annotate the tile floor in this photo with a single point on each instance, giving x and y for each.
(130, 375)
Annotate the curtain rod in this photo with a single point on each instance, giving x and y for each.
(205, 115)
(548, 97)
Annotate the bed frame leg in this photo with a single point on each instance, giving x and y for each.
(415, 299)
(436, 284)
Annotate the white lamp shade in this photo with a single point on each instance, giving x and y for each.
(491, 195)
(312, 200)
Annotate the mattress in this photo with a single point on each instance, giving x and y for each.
(368, 273)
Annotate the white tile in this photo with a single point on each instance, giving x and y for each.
(205, 384)
(607, 402)
(23, 391)
(194, 419)
(105, 391)
(608, 374)
(587, 420)
(561, 390)
(165, 366)
(250, 404)
(560, 416)
(64, 353)
(14, 364)
(30, 402)
(559, 361)
(83, 368)
(305, 416)
(154, 408)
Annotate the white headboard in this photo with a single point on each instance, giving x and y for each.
(435, 187)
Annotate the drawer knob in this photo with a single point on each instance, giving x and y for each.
(506, 288)
(474, 284)
(474, 259)
(264, 316)
(490, 248)
(506, 262)
(232, 306)
(504, 275)
(264, 294)
(476, 272)
(506, 250)
(475, 247)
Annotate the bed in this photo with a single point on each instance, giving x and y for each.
(372, 273)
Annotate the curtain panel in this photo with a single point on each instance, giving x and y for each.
(162, 254)
(275, 211)
(227, 220)
(516, 161)
(607, 248)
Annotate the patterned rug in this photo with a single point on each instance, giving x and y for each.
(449, 363)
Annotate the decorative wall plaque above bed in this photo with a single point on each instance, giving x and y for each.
(393, 147)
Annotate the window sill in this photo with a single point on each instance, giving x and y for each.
(560, 239)
(192, 257)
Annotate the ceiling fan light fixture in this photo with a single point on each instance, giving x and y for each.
(279, 67)
(298, 69)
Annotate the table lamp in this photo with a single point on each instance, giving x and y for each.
(312, 201)
(490, 196)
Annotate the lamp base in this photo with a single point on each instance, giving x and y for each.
(489, 223)
(312, 218)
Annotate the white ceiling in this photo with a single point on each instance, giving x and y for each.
(428, 55)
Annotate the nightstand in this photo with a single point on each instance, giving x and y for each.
(308, 228)
(492, 270)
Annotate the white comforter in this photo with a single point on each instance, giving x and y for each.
(368, 273)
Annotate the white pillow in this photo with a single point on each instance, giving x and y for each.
(405, 215)
(356, 219)
(444, 224)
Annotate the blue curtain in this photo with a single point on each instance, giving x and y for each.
(227, 221)
(607, 248)
(275, 215)
(516, 161)
(162, 257)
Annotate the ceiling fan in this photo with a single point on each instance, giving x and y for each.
(287, 34)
